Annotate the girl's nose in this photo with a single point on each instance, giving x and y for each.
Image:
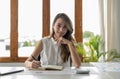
(61, 29)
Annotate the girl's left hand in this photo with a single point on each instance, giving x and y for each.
(62, 40)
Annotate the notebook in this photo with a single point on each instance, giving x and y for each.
(10, 70)
(49, 67)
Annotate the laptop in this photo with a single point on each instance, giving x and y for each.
(10, 70)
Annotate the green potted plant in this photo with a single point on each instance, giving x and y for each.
(94, 45)
(92, 49)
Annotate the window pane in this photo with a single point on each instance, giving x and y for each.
(29, 25)
(91, 16)
(90, 21)
(4, 28)
(62, 6)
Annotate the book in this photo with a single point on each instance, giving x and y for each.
(49, 67)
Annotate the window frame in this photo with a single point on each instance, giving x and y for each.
(46, 27)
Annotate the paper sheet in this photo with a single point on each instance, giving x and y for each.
(108, 66)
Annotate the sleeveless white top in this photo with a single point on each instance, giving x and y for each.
(50, 54)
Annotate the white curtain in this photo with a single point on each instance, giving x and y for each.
(109, 24)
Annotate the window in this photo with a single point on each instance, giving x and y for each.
(91, 16)
(29, 26)
(90, 22)
(5, 28)
(26, 21)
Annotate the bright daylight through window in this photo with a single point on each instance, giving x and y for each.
(29, 25)
(5, 28)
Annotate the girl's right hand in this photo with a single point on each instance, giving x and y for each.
(35, 64)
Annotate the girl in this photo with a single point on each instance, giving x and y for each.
(58, 48)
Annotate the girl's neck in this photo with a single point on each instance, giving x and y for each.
(55, 37)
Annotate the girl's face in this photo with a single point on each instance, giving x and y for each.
(59, 28)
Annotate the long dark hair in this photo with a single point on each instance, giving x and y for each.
(65, 53)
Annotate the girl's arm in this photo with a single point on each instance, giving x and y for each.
(74, 55)
(31, 62)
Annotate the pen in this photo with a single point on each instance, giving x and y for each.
(34, 58)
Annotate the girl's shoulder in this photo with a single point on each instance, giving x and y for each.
(46, 38)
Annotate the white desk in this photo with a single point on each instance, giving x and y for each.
(111, 69)
(67, 73)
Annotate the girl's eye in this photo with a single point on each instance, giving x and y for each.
(58, 25)
(65, 28)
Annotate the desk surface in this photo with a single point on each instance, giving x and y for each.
(66, 73)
